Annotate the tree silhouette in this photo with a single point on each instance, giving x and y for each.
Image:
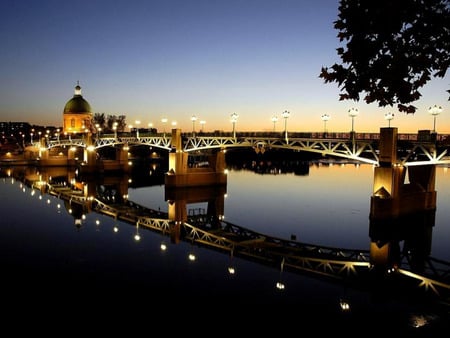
(393, 48)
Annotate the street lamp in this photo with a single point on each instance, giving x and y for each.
(164, 121)
(115, 129)
(325, 118)
(202, 123)
(435, 111)
(353, 112)
(389, 116)
(285, 115)
(193, 119)
(274, 120)
(137, 128)
(234, 118)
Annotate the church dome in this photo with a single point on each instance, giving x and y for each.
(77, 104)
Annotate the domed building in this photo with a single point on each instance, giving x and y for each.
(77, 114)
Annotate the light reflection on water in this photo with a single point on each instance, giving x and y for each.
(329, 206)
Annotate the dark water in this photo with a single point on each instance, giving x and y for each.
(50, 264)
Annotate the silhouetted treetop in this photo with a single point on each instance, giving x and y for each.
(392, 49)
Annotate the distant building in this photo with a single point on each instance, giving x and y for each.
(14, 128)
(77, 114)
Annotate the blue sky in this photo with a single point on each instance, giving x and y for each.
(174, 59)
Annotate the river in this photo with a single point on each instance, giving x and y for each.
(327, 204)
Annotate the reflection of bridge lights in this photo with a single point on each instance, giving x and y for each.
(83, 217)
(97, 222)
(137, 237)
(163, 246)
(48, 201)
(231, 269)
(115, 228)
(345, 306)
(391, 269)
(280, 286)
(192, 257)
(418, 321)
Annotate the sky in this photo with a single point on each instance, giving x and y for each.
(174, 59)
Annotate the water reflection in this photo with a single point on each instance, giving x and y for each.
(108, 195)
(397, 263)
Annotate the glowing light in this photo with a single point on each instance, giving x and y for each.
(280, 286)
(345, 306)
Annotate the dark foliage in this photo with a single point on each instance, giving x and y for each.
(393, 48)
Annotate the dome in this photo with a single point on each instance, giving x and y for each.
(77, 104)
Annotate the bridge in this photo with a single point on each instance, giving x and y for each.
(364, 147)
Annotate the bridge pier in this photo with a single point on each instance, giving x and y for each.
(398, 208)
(47, 160)
(392, 195)
(179, 198)
(181, 175)
(92, 164)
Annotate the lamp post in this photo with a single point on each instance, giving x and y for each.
(202, 123)
(99, 129)
(435, 111)
(285, 115)
(174, 124)
(193, 119)
(234, 118)
(115, 129)
(389, 116)
(137, 128)
(164, 121)
(353, 112)
(325, 118)
(274, 120)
